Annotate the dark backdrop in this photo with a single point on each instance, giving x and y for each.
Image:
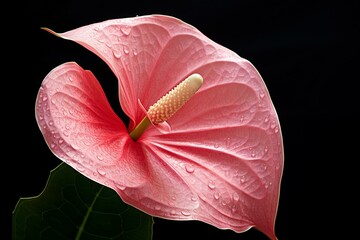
(305, 51)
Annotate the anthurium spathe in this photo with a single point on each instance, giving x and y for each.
(217, 159)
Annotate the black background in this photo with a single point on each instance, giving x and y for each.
(306, 52)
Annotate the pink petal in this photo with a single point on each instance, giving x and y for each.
(81, 129)
(221, 163)
(226, 144)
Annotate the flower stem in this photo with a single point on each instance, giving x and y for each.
(140, 128)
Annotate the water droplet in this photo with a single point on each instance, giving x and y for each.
(189, 168)
(253, 154)
(101, 172)
(135, 52)
(172, 212)
(216, 145)
(262, 94)
(276, 130)
(185, 212)
(100, 157)
(126, 49)
(44, 99)
(125, 29)
(74, 146)
(61, 141)
(242, 179)
(120, 186)
(157, 207)
(80, 168)
(52, 145)
(117, 54)
(193, 198)
(217, 195)
(236, 196)
(211, 185)
(272, 124)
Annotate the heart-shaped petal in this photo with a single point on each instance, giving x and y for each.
(222, 161)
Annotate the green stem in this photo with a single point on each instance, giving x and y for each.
(139, 129)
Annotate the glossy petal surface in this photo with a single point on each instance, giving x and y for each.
(221, 163)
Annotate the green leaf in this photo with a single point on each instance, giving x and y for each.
(73, 207)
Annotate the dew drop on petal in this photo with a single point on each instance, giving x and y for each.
(211, 185)
(236, 196)
(80, 168)
(126, 49)
(185, 212)
(266, 149)
(272, 124)
(125, 29)
(189, 168)
(242, 179)
(120, 186)
(216, 195)
(117, 54)
(193, 198)
(262, 94)
(135, 52)
(101, 172)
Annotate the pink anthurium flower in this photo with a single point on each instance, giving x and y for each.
(216, 156)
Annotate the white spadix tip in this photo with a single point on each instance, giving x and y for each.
(195, 81)
(169, 104)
